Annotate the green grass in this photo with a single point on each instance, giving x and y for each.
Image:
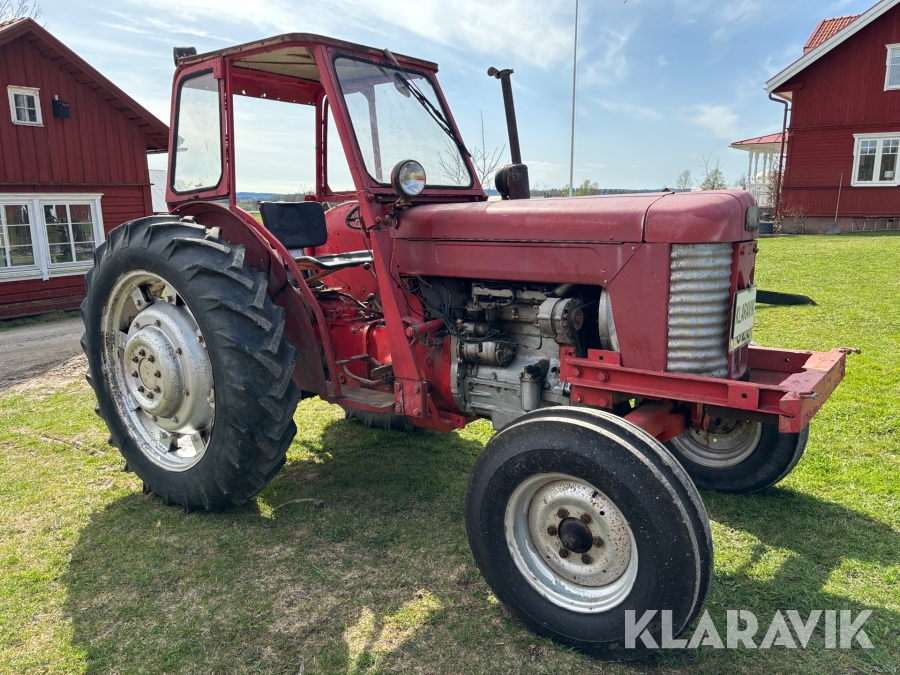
(95, 577)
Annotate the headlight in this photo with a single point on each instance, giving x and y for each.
(408, 178)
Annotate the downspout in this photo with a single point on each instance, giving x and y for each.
(783, 161)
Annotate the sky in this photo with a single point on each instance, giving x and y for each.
(662, 84)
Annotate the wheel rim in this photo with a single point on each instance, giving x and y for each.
(726, 443)
(571, 543)
(157, 369)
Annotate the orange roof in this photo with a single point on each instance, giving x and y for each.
(762, 140)
(826, 29)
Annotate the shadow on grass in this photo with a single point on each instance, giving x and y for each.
(382, 577)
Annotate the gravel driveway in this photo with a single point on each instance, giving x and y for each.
(33, 350)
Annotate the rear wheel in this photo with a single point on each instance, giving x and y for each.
(189, 362)
(575, 517)
(738, 456)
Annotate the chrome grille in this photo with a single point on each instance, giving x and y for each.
(699, 301)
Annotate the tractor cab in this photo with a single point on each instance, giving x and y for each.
(371, 111)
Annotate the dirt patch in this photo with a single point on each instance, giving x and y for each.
(35, 351)
(47, 382)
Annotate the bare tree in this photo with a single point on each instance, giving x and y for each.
(742, 183)
(685, 180)
(713, 178)
(454, 168)
(19, 9)
(486, 164)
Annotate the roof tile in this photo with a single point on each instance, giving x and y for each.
(826, 29)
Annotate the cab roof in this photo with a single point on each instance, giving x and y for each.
(289, 55)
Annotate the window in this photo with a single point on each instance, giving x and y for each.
(44, 235)
(892, 77)
(25, 105)
(197, 162)
(16, 247)
(876, 160)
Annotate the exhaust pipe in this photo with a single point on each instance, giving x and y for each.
(511, 180)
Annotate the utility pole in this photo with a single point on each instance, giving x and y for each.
(574, 83)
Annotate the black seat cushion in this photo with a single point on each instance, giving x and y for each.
(295, 224)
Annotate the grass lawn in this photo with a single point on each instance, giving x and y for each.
(96, 577)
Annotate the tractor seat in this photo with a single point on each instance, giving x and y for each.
(301, 225)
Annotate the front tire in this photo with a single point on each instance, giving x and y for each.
(738, 457)
(575, 517)
(189, 362)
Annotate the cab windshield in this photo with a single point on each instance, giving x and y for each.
(392, 126)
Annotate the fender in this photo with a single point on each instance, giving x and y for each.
(239, 227)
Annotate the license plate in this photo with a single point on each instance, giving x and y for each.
(742, 318)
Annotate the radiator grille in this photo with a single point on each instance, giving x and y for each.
(699, 302)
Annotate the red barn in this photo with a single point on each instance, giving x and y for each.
(844, 132)
(73, 165)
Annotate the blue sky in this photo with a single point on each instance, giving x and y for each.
(661, 82)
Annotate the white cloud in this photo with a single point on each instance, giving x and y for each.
(631, 109)
(662, 61)
(536, 33)
(611, 65)
(718, 119)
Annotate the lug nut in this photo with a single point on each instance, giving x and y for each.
(157, 389)
(153, 417)
(186, 392)
(562, 513)
(151, 358)
(598, 542)
(156, 323)
(134, 373)
(178, 350)
(586, 559)
(157, 374)
(134, 359)
(142, 353)
(585, 518)
(175, 419)
(551, 531)
(141, 389)
(149, 394)
(563, 553)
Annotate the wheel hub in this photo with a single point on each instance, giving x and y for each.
(724, 444)
(581, 517)
(158, 370)
(575, 536)
(169, 363)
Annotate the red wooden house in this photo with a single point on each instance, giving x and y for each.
(844, 132)
(73, 165)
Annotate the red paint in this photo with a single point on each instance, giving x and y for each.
(620, 243)
(839, 95)
(101, 148)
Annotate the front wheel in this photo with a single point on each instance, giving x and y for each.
(576, 519)
(189, 361)
(738, 456)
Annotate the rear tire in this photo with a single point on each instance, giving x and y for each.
(747, 457)
(174, 309)
(633, 527)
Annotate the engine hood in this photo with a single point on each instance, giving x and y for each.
(693, 217)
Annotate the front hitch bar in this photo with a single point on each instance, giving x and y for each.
(786, 387)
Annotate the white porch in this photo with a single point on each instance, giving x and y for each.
(764, 160)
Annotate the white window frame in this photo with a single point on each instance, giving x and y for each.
(856, 148)
(12, 90)
(43, 268)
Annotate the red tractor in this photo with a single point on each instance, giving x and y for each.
(606, 338)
